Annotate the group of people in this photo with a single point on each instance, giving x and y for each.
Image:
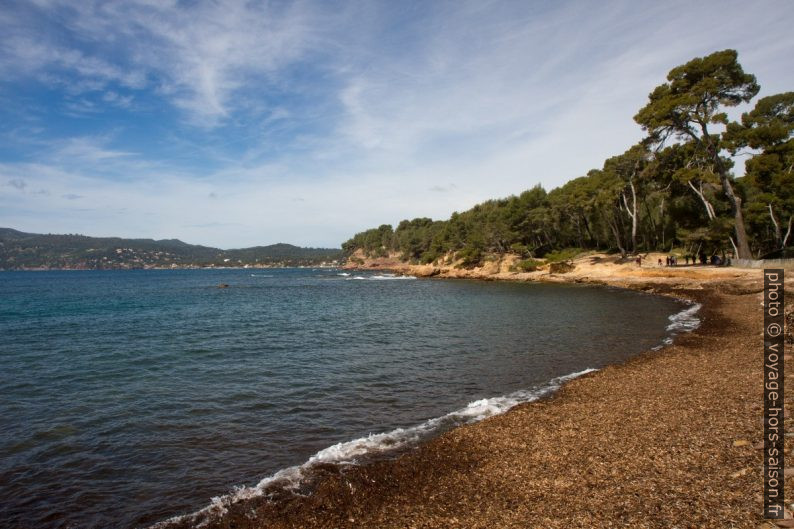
(705, 259)
(672, 260)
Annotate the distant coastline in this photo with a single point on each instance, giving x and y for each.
(177, 267)
(31, 251)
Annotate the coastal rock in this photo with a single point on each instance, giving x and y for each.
(425, 271)
(562, 267)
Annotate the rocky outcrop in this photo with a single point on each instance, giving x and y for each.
(590, 267)
(562, 267)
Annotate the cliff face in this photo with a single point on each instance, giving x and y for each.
(494, 267)
(586, 268)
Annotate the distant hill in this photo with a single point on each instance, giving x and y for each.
(19, 250)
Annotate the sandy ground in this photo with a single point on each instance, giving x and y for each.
(588, 268)
(669, 439)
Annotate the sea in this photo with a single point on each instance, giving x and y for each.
(132, 397)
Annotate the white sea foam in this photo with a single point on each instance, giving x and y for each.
(383, 443)
(381, 277)
(344, 274)
(684, 321)
(261, 275)
(374, 444)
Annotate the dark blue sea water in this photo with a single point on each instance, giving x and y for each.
(127, 397)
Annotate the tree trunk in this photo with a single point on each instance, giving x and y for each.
(661, 219)
(653, 234)
(742, 244)
(778, 236)
(788, 232)
(587, 226)
(616, 233)
(633, 214)
(706, 203)
(734, 245)
(633, 218)
(576, 220)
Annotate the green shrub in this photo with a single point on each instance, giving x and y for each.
(527, 265)
(429, 257)
(520, 249)
(562, 255)
(471, 256)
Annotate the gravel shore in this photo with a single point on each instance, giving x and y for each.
(665, 440)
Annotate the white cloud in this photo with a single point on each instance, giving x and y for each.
(202, 55)
(117, 99)
(86, 150)
(26, 53)
(401, 110)
(197, 56)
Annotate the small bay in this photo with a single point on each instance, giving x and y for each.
(127, 397)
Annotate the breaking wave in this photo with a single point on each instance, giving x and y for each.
(681, 322)
(381, 277)
(381, 444)
(350, 452)
(686, 320)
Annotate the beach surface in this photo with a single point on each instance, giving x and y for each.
(670, 438)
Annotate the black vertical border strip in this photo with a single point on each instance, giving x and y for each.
(774, 432)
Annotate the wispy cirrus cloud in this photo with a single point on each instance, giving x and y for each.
(86, 149)
(194, 115)
(26, 53)
(198, 57)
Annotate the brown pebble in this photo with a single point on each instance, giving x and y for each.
(591, 441)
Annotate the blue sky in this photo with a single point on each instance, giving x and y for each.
(236, 123)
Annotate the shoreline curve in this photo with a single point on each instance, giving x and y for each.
(313, 510)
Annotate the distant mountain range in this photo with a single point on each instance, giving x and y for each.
(19, 251)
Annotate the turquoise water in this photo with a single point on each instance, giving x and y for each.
(128, 397)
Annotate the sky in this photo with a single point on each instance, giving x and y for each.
(242, 123)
